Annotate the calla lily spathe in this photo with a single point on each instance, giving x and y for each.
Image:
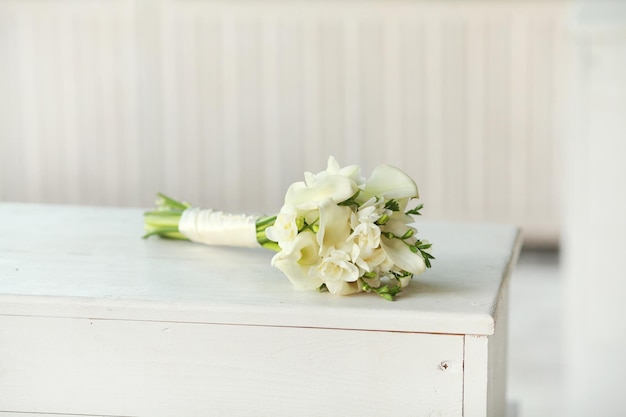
(337, 188)
(297, 259)
(334, 226)
(389, 183)
(400, 254)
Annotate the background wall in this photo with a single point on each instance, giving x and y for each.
(225, 103)
(594, 226)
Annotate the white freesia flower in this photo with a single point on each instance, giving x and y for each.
(337, 272)
(368, 261)
(299, 259)
(370, 211)
(366, 237)
(366, 253)
(386, 265)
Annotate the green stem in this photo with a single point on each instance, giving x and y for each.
(262, 224)
(163, 222)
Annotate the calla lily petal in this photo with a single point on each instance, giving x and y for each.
(337, 188)
(397, 227)
(298, 259)
(389, 182)
(400, 254)
(334, 226)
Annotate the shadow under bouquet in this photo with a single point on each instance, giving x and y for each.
(336, 231)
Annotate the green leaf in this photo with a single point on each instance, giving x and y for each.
(416, 211)
(392, 205)
(387, 292)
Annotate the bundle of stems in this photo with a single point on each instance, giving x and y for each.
(164, 219)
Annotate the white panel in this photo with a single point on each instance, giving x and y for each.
(485, 383)
(122, 368)
(476, 378)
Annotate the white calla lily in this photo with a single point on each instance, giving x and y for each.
(337, 188)
(298, 259)
(400, 254)
(398, 227)
(389, 182)
(398, 251)
(353, 172)
(334, 226)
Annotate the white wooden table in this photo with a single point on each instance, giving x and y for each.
(96, 321)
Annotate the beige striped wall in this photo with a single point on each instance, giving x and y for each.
(225, 103)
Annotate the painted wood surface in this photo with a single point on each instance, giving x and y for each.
(91, 262)
(96, 321)
(476, 376)
(135, 368)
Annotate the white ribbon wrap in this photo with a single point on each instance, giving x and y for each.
(217, 228)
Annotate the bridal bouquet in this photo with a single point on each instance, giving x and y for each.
(336, 231)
